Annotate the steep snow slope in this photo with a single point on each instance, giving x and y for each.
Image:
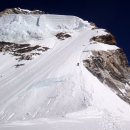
(54, 90)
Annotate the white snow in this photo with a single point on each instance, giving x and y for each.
(37, 29)
(100, 47)
(52, 91)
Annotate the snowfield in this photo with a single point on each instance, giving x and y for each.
(54, 91)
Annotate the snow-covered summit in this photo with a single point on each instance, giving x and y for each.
(63, 72)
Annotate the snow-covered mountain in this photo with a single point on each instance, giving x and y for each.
(60, 72)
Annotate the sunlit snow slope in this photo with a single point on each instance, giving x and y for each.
(54, 88)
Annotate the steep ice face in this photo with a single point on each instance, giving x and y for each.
(36, 29)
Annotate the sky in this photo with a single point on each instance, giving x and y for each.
(113, 15)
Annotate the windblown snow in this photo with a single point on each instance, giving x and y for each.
(54, 91)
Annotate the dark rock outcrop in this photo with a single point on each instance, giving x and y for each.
(106, 39)
(112, 69)
(20, 11)
(18, 65)
(62, 36)
(21, 51)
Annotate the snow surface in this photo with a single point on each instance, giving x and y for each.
(52, 91)
(37, 29)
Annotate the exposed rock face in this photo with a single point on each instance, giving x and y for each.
(111, 68)
(21, 51)
(62, 36)
(20, 11)
(106, 39)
